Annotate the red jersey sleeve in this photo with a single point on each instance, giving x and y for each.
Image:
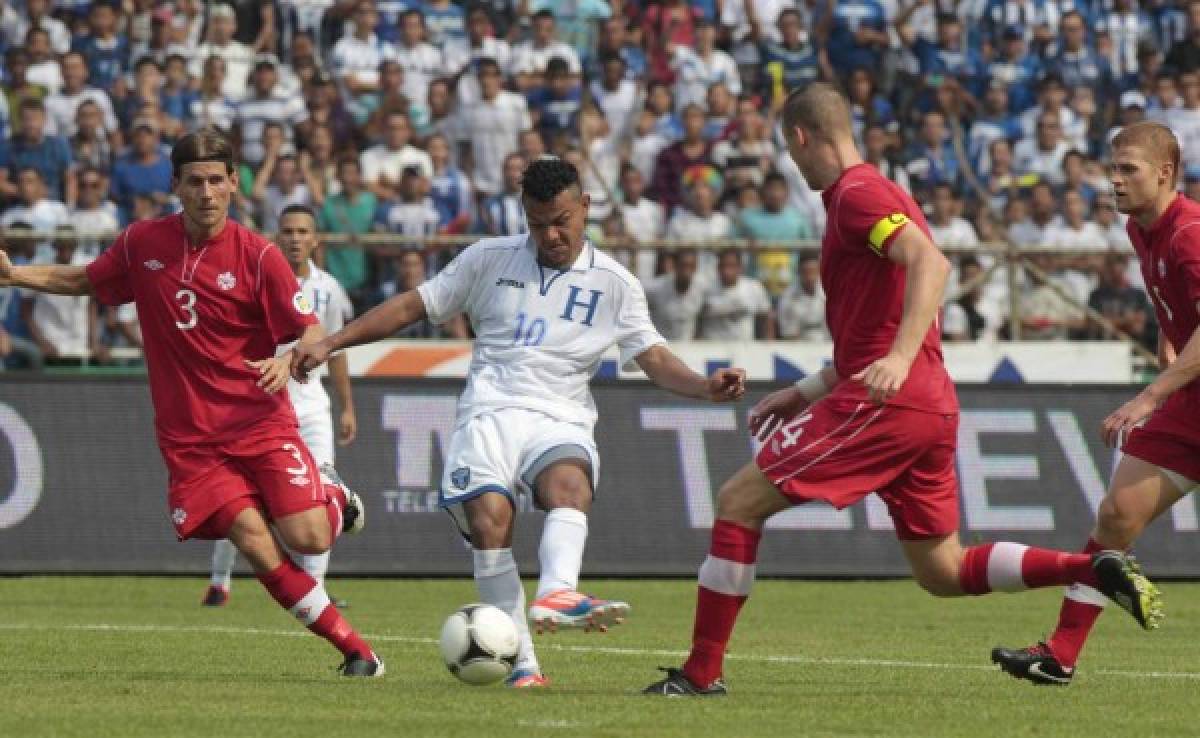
(870, 216)
(109, 273)
(287, 311)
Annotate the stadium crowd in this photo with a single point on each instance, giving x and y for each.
(416, 118)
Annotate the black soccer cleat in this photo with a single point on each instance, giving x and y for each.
(676, 684)
(1122, 581)
(215, 596)
(356, 665)
(354, 517)
(1036, 663)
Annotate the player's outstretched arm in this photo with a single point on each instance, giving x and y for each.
(1184, 370)
(666, 370)
(379, 322)
(54, 278)
(926, 270)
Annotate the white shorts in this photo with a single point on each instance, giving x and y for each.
(316, 429)
(504, 450)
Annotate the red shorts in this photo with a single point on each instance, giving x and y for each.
(211, 483)
(1168, 440)
(841, 450)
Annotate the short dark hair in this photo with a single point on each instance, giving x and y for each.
(545, 178)
(297, 207)
(207, 144)
(774, 177)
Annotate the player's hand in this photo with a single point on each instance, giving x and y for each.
(347, 427)
(272, 373)
(6, 269)
(884, 377)
(1126, 417)
(726, 385)
(774, 409)
(308, 356)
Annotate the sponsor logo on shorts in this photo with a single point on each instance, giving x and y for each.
(153, 265)
(506, 282)
(300, 481)
(178, 515)
(460, 477)
(226, 281)
(301, 303)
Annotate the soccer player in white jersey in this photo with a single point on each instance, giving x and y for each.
(545, 306)
(298, 240)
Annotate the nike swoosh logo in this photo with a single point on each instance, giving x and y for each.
(1036, 669)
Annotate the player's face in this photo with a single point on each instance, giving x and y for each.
(1136, 181)
(557, 226)
(297, 238)
(204, 188)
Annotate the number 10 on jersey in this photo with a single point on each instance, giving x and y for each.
(529, 332)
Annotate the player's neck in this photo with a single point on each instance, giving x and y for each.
(1148, 216)
(198, 234)
(302, 270)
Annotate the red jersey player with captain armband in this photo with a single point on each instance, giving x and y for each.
(1160, 427)
(214, 300)
(883, 418)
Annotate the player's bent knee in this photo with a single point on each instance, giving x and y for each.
(1115, 527)
(939, 582)
(489, 520)
(748, 498)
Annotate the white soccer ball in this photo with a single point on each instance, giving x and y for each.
(479, 644)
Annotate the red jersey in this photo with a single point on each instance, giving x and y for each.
(1169, 252)
(864, 290)
(204, 310)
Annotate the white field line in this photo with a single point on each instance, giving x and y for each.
(609, 650)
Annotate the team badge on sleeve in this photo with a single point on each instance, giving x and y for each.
(301, 303)
(460, 477)
(883, 230)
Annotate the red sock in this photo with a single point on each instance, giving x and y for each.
(304, 597)
(1012, 567)
(724, 585)
(334, 508)
(1080, 608)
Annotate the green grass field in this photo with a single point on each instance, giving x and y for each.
(140, 657)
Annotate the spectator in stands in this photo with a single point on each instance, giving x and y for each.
(736, 307)
(615, 41)
(1133, 110)
(1037, 229)
(1052, 97)
(676, 299)
(503, 214)
(44, 69)
(800, 313)
(106, 51)
(1046, 314)
(446, 21)
(946, 224)
(749, 153)
(877, 145)
(326, 108)
(145, 170)
(857, 35)
(1184, 55)
(1076, 176)
(697, 69)
(439, 117)
(554, 106)
(531, 57)
(351, 211)
(43, 214)
(961, 319)
(278, 184)
(1084, 133)
(37, 15)
(62, 106)
(644, 219)
(481, 42)
(147, 90)
(773, 221)
(867, 106)
(789, 62)
(356, 57)
(449, 188)
(264, 104)
(666, 25)
(382, 165)
(414, 216)
(1075, 232)
(698, 220)
(1165, 98)
(65, 328)
(1124, 305)
(94, 213)
(177, 93)
(1076, 62)
(238, 57)
(1042, 155)
(31, 147)
(212, 107)
(488, 130)
(994, 122)
(17, 88)
(318, 164)
(949, 56)
(421, 61)
(932, 160)
(675, 159)
(616, 95)
(410, 268)
(17, 348)
(1127, 27)
(1184, 121)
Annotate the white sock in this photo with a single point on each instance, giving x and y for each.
(499, 584)
(224, 554)
(561, 551)
(315, 565)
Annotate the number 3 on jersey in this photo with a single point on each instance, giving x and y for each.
(187, 303)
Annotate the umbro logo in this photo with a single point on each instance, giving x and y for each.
(153, 265)
(300, 481)
(506, 282)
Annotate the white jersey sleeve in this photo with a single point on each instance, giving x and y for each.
(635, 330)
(448, 293)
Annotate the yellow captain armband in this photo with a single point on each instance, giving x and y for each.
(883, 230)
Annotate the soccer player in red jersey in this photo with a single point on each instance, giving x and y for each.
(214, 300)
(883, 417)
(1160, 427)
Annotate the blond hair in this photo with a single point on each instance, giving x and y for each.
(819, 108)
(1155, 140)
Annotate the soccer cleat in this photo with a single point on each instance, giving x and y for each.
(1036, 663)
(357, 666)
(566, 608)
(1122, 580)
(676, 684)
(526, 678)
(354, 517)
(215, 596)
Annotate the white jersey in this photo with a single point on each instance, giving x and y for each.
(332, 307)
(540, 333)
